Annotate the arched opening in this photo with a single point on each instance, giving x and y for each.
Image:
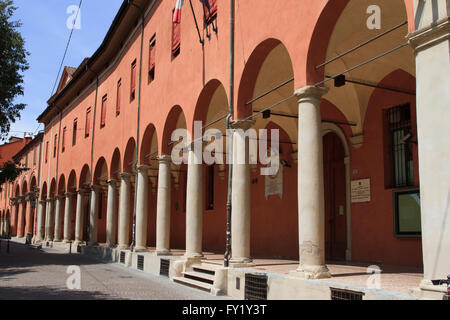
(72, 187)
(148, 154)
(176, 120)
(114, 174)
(359, 108)
(129, 166)
(23, 208)
(268, 80)
(100, 179)
(211, 111)
(84, 184)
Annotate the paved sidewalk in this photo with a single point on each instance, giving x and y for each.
(28, 273)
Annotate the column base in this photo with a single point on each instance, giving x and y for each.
(57, 240)
(123, 247)
(67, 241)
(311, 272)
(110, 245)
(77, 243)
(163, 252)
(241, 263)
(193, 255)
(140, 249)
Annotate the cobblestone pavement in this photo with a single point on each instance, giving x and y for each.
(27, 273)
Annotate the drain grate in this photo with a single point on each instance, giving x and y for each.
(164, 267)
(341, 294)
(255, 286)
(122, 257)
(140, 262)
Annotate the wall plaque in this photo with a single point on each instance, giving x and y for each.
(274, 184)
(360, 190)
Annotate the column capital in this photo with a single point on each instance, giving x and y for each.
(42, 202)
(125, 176)
(310, 92)
(95, 187)
(59, 197)
(164, 158)
(142, 168)
(49, 199)
(81, 191)
(69, 194)
(242, 124)
(430, 36)
(112, 181)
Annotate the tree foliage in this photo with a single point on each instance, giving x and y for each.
(10, 172)
(13, 62)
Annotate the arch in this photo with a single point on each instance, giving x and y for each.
(17, 188)
(253, 67)
(72, 182)
(213, 90)
(149, 146)
(129, 157)
(52, 191)
(44, 191)
(175, 120)
(62, 185)
(33, 183)
(85, 177)
(100, 172)
(24, 187)
(115, 167)
(323, 30)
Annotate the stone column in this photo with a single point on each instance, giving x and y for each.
(40, 221)
(79, 220)
(240, 197)
(194, 204)
(142, 208)
(124, 211)
(49, 220)
(111, 213)
(163, 207)
(93, 215)
(58, 216)
(431, 42)
(311, 202)
(67, 219)
(2, 227)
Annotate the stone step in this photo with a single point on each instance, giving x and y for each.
(205, 268)
(199, 276)
(193, 283)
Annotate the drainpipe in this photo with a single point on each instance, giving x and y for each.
(229, 116)
(133, 238)
(93, 133)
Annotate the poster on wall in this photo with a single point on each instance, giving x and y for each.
(274, 184)
(360, 190)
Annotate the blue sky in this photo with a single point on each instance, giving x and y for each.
(45, 32)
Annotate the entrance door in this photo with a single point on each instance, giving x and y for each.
(335, 210)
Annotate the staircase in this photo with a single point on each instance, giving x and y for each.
(201, 277)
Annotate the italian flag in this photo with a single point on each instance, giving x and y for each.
(177, 12)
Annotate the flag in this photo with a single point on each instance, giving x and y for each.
(206, 4)
(177, 12)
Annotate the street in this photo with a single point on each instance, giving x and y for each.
(28, 273)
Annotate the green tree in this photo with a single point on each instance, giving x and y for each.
(13, 62)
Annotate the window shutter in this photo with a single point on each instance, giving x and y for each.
(88, 122)
(176, 37)
(103, 115)
(152, 62)
(119, 89)
(133, 78)
(63, 142)
(46, 151)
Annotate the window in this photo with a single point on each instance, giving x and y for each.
(63, 142)
(34, 156)
(46, 152)
(55, 145)
(210, 14)
(152, 60)
(103, 113)
(176, 39)
(210, 187)
(407, 221)
(119, 96)
(74, 134)
(133, 80)
(88, 123)
(400, 134)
